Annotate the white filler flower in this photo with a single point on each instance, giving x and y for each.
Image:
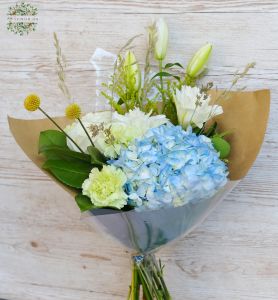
(193, 107)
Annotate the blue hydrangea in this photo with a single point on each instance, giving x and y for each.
(170, 167)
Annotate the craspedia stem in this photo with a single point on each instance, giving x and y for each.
(60, 128)
(87, 133)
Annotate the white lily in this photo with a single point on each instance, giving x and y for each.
(132, 69)
(198, 61)
(193, 107)
(161, 39)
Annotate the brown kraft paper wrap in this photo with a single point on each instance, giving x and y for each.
(245, 116)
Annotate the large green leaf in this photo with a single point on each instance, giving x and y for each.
(84, 203)
(97, 158)
(70, 173)
(52, 138)
(59, 153)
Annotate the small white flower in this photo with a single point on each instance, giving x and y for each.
(193, 107)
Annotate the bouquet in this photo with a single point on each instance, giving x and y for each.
(158, 160)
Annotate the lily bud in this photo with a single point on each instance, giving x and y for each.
(161, 39)
(199, 61)
(132, 70)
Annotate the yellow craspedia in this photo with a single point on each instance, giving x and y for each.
(73, 111)
(32, 102)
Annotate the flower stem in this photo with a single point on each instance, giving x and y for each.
(60, 128)
(161, 84)
(145, 281)
(160, 275)
(135, 285)
(149, 274)
(84, 128)
(190, 81)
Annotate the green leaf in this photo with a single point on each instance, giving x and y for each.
(221, 146)
(58, 153)
(165, 74)
(169, 65)
(52, 138)
(84, 203)
(70, 173)
(171, 112)
(97, 158)
(120, 101)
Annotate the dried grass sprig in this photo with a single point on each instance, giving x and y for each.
(61, 66)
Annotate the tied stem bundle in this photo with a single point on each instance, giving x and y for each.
(147, 276)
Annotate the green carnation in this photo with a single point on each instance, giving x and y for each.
(105, 187)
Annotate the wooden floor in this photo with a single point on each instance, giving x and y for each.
(46, 251)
